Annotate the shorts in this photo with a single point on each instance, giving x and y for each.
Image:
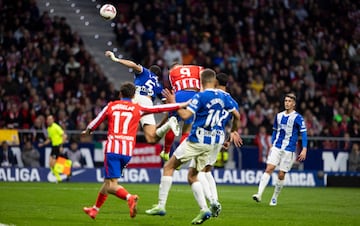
(55, 151)
(187, 151)
(114, 165)
(283, 159)
(148, 119)
(183, 96)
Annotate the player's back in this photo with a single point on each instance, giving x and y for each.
(185, 77)
(147, 84)
(212, 107)
(123, 121)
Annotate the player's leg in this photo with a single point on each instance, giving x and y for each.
(55, 151)
(166, 182)
(199, 196)
(272, 162)
(284, 167)
(180, 96)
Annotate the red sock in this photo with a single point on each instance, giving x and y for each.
(183, 137)
(169, 140)
(121, 193)
(100, 200)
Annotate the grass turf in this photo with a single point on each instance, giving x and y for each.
(61, 204)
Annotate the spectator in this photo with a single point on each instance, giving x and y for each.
(263, 142)
(30, 155)
(74, 154)
(7, 157)
(354, 158)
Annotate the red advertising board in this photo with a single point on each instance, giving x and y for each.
(146, 156)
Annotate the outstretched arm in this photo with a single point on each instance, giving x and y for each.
(128, 63)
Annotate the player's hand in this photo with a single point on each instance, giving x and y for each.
(236, 139)
(226, 145)
(110, 55)
(86, 132)
(169, 95)
(302, 155)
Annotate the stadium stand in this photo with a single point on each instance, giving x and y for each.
(268, 48)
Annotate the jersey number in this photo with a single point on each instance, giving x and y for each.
(215, 118)
(185, 72)
(124, 118)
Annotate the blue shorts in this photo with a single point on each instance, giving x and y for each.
(183, 96)
(114, 164)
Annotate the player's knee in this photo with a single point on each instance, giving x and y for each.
(281, 175)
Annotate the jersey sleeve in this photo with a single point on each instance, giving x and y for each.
(194, 103)
(159, 108)
(99, 119)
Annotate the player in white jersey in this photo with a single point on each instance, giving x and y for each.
(287, 126)
(210, 107)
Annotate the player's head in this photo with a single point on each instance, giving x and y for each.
(156, 70)
(290, 101)
(50, 120)
(222, 79)
(127, 90)
(208, 78)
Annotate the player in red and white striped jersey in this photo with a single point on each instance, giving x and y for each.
(185, 82)
(123, 119)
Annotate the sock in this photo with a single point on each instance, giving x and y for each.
(122, 193)
(100, 200)
(164, 188)
(263, 183)
(183, 137)
(278, 186)
(212, 185)
(204, 183)
(56, 174)
(162, 130)
(199, 195)
(169, 140)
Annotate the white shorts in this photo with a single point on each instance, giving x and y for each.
(283, 159)
(145, 101)
(187, 151)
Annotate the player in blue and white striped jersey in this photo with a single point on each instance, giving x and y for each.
(287, 126)
(205, 176)
(148, 88)
(210, 108)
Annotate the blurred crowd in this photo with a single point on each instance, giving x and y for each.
(268, 48)
(46, 69)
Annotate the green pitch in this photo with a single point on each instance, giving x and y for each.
(61, 204)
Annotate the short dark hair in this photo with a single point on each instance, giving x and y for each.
(291, 95)
(127, 90)
(222, 78)
(155, 69)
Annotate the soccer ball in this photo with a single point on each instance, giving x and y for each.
(108, 11)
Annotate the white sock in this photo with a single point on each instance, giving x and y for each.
(206, 186)
(199, 195)
(164, 188)
(212, 185)
(162, 130)
(263, 183)
(278, 186)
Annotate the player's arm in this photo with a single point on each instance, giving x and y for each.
(96, 121)
(234, 135)
(162, 108)
(46, 142)
(302, 155)
(128, 63)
